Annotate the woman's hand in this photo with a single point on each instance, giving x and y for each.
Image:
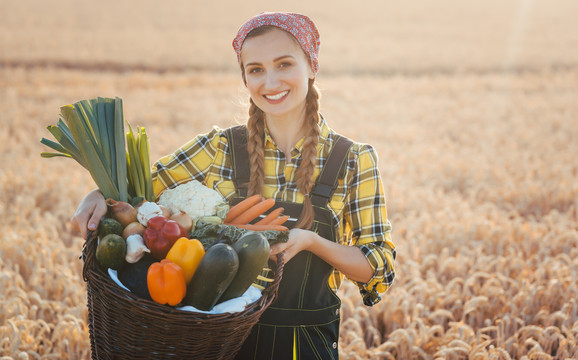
(347, 259)
(91, 209)
(298, 241)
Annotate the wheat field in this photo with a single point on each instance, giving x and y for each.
(472, 107)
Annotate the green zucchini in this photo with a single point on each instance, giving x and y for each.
(253, 251)
(212, 277)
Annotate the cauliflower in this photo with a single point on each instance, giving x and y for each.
(195, 199)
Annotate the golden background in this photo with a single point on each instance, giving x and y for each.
(471, 105)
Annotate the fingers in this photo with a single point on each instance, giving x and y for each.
(277, 248)
(88, 215)
(97, 214)
(297, 242)
(288, 248)
(92, 223)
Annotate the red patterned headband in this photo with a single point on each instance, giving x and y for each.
(300, 26)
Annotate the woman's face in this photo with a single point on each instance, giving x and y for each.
(276, 72)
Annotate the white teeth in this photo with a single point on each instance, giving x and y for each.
(278, 96)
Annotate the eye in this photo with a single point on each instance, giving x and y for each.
(254, 70)
(285, 64)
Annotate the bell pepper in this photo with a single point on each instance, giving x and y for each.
(187, 254)
(166, 282)
(160, 235)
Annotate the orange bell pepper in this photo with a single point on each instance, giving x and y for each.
(187, 254)
(166, 282)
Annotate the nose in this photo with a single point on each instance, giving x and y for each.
(272, 80)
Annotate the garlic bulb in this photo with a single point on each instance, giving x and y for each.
(135, 248)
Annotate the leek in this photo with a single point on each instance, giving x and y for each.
(86, 142)
(144, 150)
(92, 133)
(120, 149)
(138, 157)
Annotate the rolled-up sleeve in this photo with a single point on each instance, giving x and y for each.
(366, 212)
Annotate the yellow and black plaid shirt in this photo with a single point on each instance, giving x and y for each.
(358, 203)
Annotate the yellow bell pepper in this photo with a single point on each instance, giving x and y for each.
(187, 253)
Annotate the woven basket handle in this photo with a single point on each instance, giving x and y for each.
(89, 253)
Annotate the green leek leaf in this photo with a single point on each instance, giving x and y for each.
(90, 115)
(110, 125)
(51, 155)
(134, 163)
(87, 146)
(145, 161)
(65, 152)
(120, 150)
(70, 146)
(104, 137)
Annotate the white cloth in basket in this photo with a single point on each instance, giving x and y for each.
(230, 306)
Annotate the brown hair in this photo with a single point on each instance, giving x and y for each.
(255, 147)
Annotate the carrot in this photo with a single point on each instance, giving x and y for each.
(270, 217)
(254, 211)
(280, 220)
(255, 227)
(241, 207)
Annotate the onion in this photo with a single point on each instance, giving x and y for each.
(166, 211)
(121, 211)
(184, 220)
(132, 229)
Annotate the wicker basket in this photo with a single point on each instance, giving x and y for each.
(125, 326)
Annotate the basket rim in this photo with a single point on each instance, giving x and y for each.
(92, 273)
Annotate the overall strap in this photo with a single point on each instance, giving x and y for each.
(327, 181)
(237, 140)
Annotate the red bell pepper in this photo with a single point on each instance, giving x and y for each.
(160, 235)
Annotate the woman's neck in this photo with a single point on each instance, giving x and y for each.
(286, 132)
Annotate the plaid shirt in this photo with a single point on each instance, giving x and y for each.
(358, 203)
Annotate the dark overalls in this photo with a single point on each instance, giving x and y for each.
(303, 322)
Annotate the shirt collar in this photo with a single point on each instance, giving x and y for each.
(323, 136)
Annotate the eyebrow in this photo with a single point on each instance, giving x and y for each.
(274, 60)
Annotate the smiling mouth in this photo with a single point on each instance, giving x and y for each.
(278, 96)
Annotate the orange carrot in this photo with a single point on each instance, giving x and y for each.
(280, 220)
(255, 227)
(241, 207)
(270, 217)
(254, 211)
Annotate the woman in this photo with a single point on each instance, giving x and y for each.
(329, 185)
